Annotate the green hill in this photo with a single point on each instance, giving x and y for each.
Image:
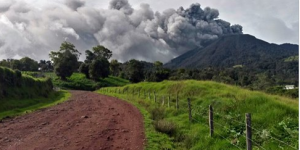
(273, 117)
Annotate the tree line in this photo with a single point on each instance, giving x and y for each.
(96, 65)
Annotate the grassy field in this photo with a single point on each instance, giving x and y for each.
(13, 107)
(274, 118)
(78, 81)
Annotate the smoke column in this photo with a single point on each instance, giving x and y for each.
(130, 33)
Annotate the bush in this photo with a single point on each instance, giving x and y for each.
(15, 85)
(157, 113)
(166, 127)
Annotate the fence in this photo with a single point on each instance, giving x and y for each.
(161, 99)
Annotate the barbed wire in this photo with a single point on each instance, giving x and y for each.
(159, 96)
(228, 141)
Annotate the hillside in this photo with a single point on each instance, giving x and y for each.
(232, 50)
(20, 93)
(14, 84)
(272, 116)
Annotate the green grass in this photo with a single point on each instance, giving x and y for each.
(78, 81)
(291, 59)
(14, 107)
(14, 84)
(271, 115)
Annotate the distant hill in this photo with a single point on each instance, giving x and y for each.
(232, 50)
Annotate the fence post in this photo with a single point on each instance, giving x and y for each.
(133, 92)
(177, 106)
(149, 95)
(163, 102)
(139, 92)
(211, 120)
(154, 96)
(190, 109)
(169, 100)
(248, 131)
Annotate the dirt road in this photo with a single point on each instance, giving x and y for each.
(88, 121)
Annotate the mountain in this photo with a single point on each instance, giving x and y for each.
(233, 50)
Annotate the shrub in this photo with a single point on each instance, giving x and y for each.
(157, 113)
(166, 127)
(15, 85)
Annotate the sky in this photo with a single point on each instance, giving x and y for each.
(140, 29)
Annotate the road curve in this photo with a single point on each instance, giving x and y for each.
(88, 121)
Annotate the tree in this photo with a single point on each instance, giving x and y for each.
(15, 64)
(101, 51)
(158, 65)
(96, 64)
(135, 71)
(29, 64)
(114, 67)
(84, 68)
(99, 68)
(65, 60)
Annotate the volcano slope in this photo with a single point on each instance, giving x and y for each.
(87, 121)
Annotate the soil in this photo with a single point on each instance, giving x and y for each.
(88, 121)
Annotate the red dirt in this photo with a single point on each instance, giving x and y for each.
(87, 121)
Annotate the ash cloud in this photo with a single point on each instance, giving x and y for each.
(130, 33)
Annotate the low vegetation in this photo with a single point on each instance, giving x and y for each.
(12, 107)
(78, 81)
(273, 117)
(21, 93)
(14, 84)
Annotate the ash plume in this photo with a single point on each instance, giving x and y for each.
(130, 33)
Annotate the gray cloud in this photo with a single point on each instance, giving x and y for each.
(138, 33)
(74, 4)
(121, 5)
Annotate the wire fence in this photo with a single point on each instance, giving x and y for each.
(199, 112)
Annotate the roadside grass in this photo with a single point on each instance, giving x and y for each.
(14, 84)
(78, 81)
(155, 140)
(13, 107)
(272, 116)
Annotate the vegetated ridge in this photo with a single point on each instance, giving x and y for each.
(13, 84)
(272, 116)
(230, 50)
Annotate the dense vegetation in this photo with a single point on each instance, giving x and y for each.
(11, 106)
(231, 50)
(15, 85)
(78, 81)
(239, 60)
(272, 116)
(21, 93)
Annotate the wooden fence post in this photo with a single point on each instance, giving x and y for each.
(133, 92)
(149, 95)
(177, 106)
(211, 120)
(154, 96)
(248, 131)
(139, 92)
(190, 109)
(169, 98)
(163, 102)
